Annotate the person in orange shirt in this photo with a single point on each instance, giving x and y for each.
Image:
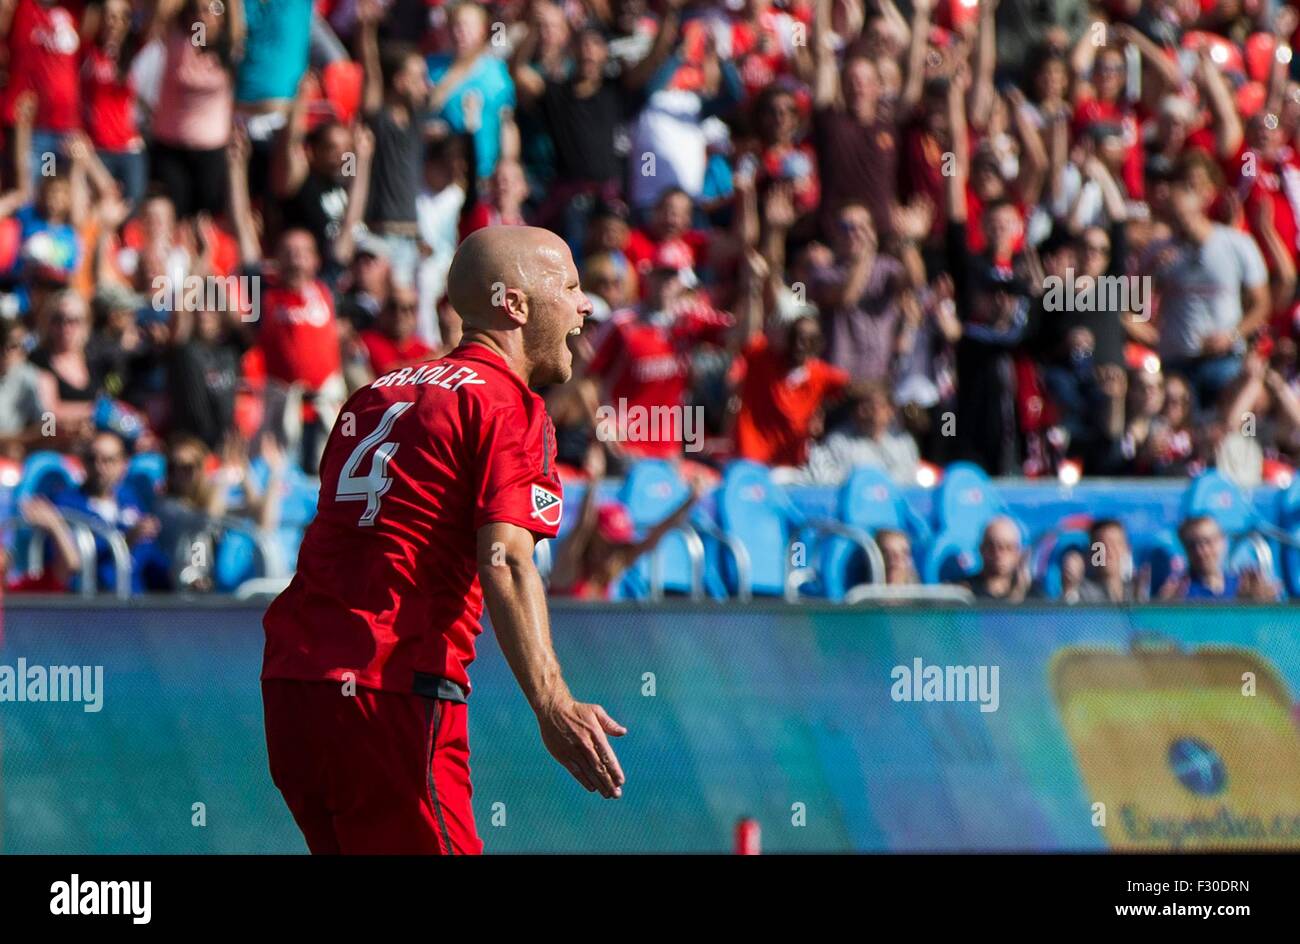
(784, 389)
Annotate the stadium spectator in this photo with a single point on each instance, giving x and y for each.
(192, 119)
(438, 210)
(1108, 574)
(41, 41)
(869, 437)
(203, 376)
(62, 561)
(1213, 288)
(321, 180)
(69, 387)
(1004, 574)
(109, 101)
(642, 357)
(855, 133)
(670, 228)
(896, 548)
(859, 299)
(297, 332)
(507, 190)
(362, 291)
(22, 409)
(1207, 577)
(394, 98)
(603, 545)
(580, 113)
(472, 90)
(784, 387)
(1171, 443)
(106, 496)
(392, 342)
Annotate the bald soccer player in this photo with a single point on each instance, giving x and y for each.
(436, 482)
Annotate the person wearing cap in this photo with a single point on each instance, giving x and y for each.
(363, 290)
(603, 544)
(117, 344)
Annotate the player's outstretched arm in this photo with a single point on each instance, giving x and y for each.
(574, 733)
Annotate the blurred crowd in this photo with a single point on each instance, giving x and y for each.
(1048, 237)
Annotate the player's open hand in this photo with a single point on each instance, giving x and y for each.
(576, 736)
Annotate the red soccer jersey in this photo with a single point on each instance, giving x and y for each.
(387, 585)
(387, 354)
(299, 336)
(645, 365)
(43, 43)
(108, 102)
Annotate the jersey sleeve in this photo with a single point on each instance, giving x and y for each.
(517, 479)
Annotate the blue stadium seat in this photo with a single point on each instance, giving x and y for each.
(299, 493)
(146, 473)
(651, 492)
(756, 511)
(45, 473)
(1287, 506)
(1162, 552)
(869, 500)
(1287, 514)
(236, 561)
(965, 502)
(950, 558)
(1212, 495)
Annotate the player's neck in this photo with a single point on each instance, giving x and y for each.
(515, 361)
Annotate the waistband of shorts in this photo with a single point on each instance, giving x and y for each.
(435, 686)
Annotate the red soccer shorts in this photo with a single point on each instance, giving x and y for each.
(375, 772)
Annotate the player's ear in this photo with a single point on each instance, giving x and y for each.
(515, 305)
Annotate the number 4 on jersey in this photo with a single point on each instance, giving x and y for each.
(371, 487)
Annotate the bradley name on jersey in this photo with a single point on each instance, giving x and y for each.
(446, 375)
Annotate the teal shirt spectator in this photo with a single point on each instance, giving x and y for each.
(490, 79)
(275, 51)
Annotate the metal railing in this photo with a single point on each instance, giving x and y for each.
(919, 593)
(694, 551)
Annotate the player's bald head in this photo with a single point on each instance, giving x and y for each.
(516, 289)
(496, 259)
